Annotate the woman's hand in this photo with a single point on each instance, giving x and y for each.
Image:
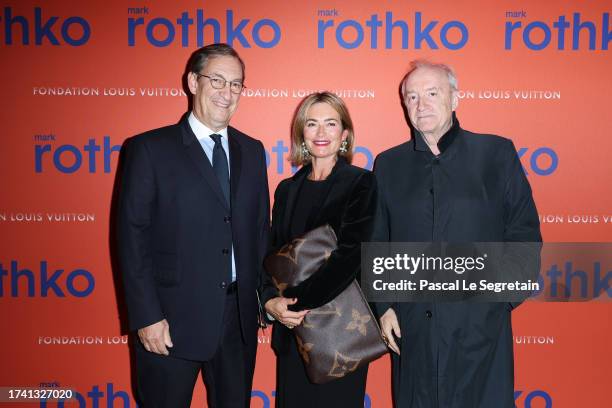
(277, 307)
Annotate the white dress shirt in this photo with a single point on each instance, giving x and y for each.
(203, 133)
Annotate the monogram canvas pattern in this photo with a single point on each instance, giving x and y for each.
(281, 286)
(304, 349)
(339, 337)
(343, 365)
(359, 322)
(292, 250)
(329, 309)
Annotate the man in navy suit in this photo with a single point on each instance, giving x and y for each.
(193, 228)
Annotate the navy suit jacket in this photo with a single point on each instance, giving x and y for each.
(176, 232)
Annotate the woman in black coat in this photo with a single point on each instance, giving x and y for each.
(326, 190)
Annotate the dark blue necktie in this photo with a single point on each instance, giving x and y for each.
(219, 163)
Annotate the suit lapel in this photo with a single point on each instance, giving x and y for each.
(198, 158)
(235, 153)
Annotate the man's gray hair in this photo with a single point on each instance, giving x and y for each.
(414, 65)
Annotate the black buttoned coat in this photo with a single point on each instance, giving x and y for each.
(454, 355)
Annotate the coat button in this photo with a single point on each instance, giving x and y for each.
(428, 314)
(431, 191)
(436, 161)
(227, 219)
(225, 251)
(223, 285)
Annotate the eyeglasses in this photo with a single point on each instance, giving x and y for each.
(219, 83)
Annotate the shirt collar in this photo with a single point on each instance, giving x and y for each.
(202, 131)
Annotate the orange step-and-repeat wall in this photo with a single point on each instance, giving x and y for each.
(78, 78)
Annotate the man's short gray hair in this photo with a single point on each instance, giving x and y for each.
(414, 65)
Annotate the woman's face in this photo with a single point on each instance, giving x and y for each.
(323, 132)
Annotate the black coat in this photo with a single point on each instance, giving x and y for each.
(454, 355)
(348, 207)
(175, 231)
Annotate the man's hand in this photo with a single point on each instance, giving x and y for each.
(389, 326)
(156, 337)
(277, 307)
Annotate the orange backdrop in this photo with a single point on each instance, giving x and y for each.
(79, 78)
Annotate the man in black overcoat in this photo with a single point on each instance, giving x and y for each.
(450, 185)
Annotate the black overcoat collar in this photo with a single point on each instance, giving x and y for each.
(445, 141)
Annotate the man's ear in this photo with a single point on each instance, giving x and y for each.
(192, 82)
(455, 100)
